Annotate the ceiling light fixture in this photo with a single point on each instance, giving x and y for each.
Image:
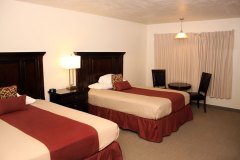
(181, 34)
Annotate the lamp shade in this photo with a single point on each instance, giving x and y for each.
(181, 35)
(71, 62)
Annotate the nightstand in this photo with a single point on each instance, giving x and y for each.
(76, 99)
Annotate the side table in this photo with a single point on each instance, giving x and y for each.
(179, 86)
(76, 99)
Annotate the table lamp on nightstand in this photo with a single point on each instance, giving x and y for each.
(71, 63)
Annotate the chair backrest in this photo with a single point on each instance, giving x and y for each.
(159, 77)
(204, 83)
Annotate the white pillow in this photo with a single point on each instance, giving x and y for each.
(107, 79)
(29, 100)
(100, 86)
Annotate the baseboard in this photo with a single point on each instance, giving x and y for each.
(219, 107)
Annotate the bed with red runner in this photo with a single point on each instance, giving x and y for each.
(152, 113)
(39, 133)
(65, 138)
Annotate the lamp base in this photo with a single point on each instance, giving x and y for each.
(71, 88)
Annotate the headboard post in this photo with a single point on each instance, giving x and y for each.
(96, 64)
(24, 69)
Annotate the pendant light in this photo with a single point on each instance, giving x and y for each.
(181, 34)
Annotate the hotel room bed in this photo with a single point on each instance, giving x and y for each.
(150, 116)
(22, 130)
(152, 122)
(26, 147)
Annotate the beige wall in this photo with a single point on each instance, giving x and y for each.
(29, 27)
(197, 27)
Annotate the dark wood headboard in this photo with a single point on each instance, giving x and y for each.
(96, 64)
(24, 69)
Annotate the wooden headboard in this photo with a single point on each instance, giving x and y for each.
(24, 69)
(96, 64)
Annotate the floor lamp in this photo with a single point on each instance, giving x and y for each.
(71, 63)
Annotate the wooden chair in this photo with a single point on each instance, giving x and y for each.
(159, 78)
(202, 90)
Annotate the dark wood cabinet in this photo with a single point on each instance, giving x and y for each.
(76, 99)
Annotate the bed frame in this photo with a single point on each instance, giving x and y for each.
(24, 69)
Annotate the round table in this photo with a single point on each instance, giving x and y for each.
(179, 86)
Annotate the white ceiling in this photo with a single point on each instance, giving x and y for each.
(151, 11)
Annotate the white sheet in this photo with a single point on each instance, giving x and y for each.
(138, 105)
(24, 147)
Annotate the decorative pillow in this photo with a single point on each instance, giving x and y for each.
(8, 92)
(116, 78)
(100, 86)
(12, 104)
(107, 79)
(29, 100)
(122, 85)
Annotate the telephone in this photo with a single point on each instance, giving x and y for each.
(52, 90)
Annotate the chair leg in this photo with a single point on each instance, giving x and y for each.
(205, 106)
(197, 103)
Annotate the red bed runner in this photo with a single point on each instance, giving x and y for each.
(177, 99)
(66, 139)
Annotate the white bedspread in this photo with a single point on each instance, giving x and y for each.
(138, 105)
(16, 145)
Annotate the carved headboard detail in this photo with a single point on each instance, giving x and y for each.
(24, 69)
(96, 64)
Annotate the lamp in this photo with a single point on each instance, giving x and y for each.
(181, 34)
(71, 63)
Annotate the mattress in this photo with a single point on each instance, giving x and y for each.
(139, 105)
(25, 147)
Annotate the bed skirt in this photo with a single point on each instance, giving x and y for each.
(148, 129)
(111, 152)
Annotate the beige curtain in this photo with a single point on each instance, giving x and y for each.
(179, 57)
(215, 53)
(185, 59)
